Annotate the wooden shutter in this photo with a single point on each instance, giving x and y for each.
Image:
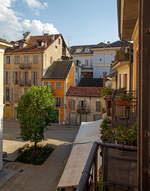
(119, 80)
(125, 81)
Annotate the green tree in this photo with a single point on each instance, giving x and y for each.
(32, 113)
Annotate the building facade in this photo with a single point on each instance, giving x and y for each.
(96, 59)
(25, 64)
(59, 77)
(3, 45)
(83, 104)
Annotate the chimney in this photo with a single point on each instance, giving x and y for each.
(104, 78)
(53, 37)
(26, 36)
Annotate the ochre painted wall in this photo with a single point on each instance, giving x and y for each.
(59, 93)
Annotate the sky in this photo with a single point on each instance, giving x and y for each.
(79, 21)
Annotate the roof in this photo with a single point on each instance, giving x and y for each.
(84, 91)
(100, 45)
(32, 44)
(4, 41)
(58, 70)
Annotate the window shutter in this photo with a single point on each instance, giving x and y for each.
(125, 81)
(119, 80)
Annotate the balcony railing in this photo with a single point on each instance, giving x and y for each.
(110, 179)
(25, 83)
(123, 54)
(25, 66)
(83, 109)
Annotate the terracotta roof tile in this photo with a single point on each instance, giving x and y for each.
(32, 45)
(84, 91)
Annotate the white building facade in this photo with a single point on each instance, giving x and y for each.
(96, 59)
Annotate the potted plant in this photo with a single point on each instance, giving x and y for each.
(119, 156)
(125, 99)
(107, 93)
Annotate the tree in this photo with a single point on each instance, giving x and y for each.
(32, 113)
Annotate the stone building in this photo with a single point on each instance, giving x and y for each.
(83, 104)
(25, 64)
(3, 45)
(96, 59)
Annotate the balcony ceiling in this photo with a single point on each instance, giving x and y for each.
(127, 18)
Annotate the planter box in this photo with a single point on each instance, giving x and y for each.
(119, 167)
(124, 103)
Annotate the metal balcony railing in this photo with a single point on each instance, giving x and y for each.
(25, 66)
(25, 83)
(83, 109)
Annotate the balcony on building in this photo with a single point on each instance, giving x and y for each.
(25, 83)
(83, 109)
(25, 65)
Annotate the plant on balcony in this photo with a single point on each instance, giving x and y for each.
(126, 136)
(125, 99)
(107, 92)
(107, 132)
(120, 135)
(103, 110)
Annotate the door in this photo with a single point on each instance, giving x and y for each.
(73, 119)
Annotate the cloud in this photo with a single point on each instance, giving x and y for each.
(36, 27)
(36, 4)
(13, 25)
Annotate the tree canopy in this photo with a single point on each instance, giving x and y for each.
(35, 109)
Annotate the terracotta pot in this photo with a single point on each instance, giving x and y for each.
(121, 102)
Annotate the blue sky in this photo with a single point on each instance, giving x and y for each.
(80, 21)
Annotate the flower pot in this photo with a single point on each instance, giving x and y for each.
(123, 102)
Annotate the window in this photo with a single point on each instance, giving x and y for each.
(35, 59)
(7, 59)
(7, 78)
(26, 59)
(25, 77)
(25, 90)
(59, 41)
(16, 94)
(86, 62)
(9, 93)
(97, 106)
(56, 46)
(34, 78)
(72, 105)
(58, 86)
(59, 102)
(81, 103)
(17, 59)
(49, 84)
(15, 77)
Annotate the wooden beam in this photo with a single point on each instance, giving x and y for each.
(144, 94)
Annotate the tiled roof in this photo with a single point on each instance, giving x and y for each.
(100, 45)
(32, 44)
(58, 70)
(4, 41)
(84, 91)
